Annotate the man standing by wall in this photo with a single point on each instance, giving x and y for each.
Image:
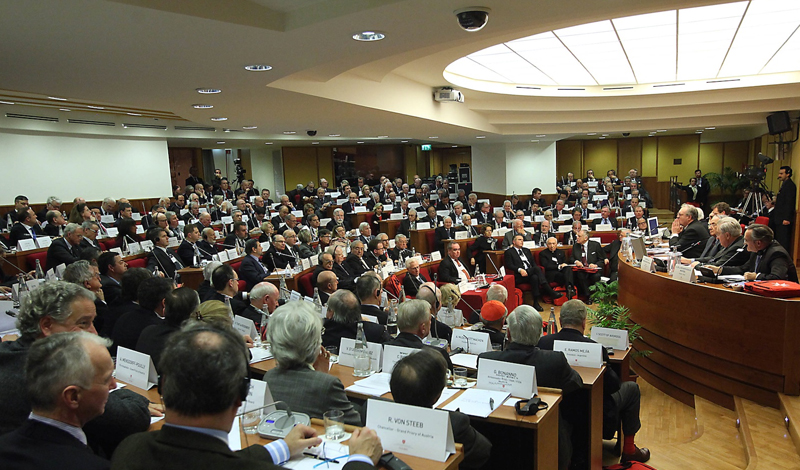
(783, 213)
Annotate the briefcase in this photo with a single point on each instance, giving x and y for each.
(776, 289)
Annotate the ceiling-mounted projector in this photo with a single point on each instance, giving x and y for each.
(448, 95)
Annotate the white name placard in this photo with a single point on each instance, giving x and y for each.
(107, 219)
(44, 242)
(294, 295)
(227, 220)
(647, 264)
(223, 256)
(423, 225)
(581, 354)
(412, 430)
(135, 368)
(359, 209)
(462, 235)
(392, 354)
(258, 396)
(370, 318)
(472, 342)
(26, 244)
(617, 339)
(684, 273)
(305, 263)
(245, 326)
(436, 256)
(517, 379)
(347, 348)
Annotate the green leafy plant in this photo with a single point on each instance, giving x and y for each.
(728, 182)
(608, 313)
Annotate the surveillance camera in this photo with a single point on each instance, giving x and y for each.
(626, 134)
(311, 133)
(473, 18)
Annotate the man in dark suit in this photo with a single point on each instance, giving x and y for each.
(161, 256)
(517, 228)
(238, 237)
(414, 324)
(26, 226)
(414, 278)
(224, 190)
(451, 269)
(783, 214)
(554, 263)
(552, 368)
(65, 250)
(519, 261)
(347, 280)
(418, 380)
(368, 290)
(187, 251)
(688, 233)
(344, 315)
(339, 219)
(356, 264)
(89, 240)
(128, 327)
(199, 405)
(484, 214)
(605, 219)
(732, 251)
(20, 202)
(207, 243)
(400, 250)
(252, 270)
(52, 437)
(55, 224)
(768, 259)
(587, 254)
(620, 399)
(445, 232)
(540, 237)
(111, 267)
(349, 207)
(193, 179)
(408, 224)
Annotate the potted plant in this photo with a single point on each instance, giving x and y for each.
(608, 313)
(728, 182)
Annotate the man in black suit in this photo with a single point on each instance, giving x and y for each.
(26, 226)
(238, 237)
(325, 264)
(368, 290)
(554, 263)
(279, 255)
(589, 254)
(349, 207)
(65, 250)
(344, 315)
(408, 224)
(55, 224)
(688, 233)
(451, 269)
(20, 202)
(768, 259)
(193, 179)
(356, 264)
(161, 256)
(783, 214)
(418, 380)
(52, 437)
(226, 287)
(89, 240)
(187, 251)
(414, 324)
(605, 219)
(128, 327)
(520, 262)
(207, 243)
(199, 405)
(414, 278)
(540, 237)
(445, 232)
(517, 228)
(224, 190)
(339, 219)
(347, 279)
(111, 267)
(252, 270)
(620, 399)
(400, 250)
(484, 214)
(552, 368)
(732, 251)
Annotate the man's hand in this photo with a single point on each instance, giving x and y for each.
(676, 227)
(593, 266)
(301, 437)
(750, 276)
(100, 294)
(323, 361)
(523, 273)
(714, 269)
(365, 441)
(578, 264)
(156, 409)
(786, 222)
(605, 261)
(248, 341)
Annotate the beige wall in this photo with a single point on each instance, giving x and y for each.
(684, 148)
(304, 164)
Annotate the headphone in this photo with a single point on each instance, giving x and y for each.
(437, 304)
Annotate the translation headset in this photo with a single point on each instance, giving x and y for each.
(530, 407)
(437, 304)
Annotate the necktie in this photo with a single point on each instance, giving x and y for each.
(524, 259)
(585, 255)
(33, 233)
(462, 269)
(758, 261)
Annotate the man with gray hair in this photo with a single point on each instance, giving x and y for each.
(89, 240)
(414, 326)
(53, 203)
(87, 275)
(68, 377)
(769, 260)
(433, 295)
(497, 292)
(732, 251)
(552, 368)
(587, 254)
(327, 284)
(688, 233)
(263, 298)
(517, 228)
(620, 399)
(57, 307)
(355, 262)
(343, 317)
(365, 233)
(65, 250)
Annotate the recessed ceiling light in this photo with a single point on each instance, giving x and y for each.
(221, 142)
(202, 106)
(601, 137)
(480, 136)
(403, 141)
(534, 141)
(249, 127)
(95, 107)
(57, 98)
(314, 143)
(133, 114)
(698, 132)
(258, 68)
(383, 136)
(208, 91)
(6, 102)
(710, 128)
(359, 142)
(268, 143)
(64, 109)
(661, 130)
(289, 132)
(334, 135)
(368, 36)
(219, 119)
(541, 135)
(454, 146)
(605, 135)
(226, 130)
(433, 137)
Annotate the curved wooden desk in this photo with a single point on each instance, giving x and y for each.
(711, 341)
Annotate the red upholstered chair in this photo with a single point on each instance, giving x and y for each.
(304, 283)
(762, 220)
(236, 266)
(393, 283)
(369, 216)
(104, 245)
(431, 237)
(137, 263)
(242, 284)
(109, 243)
(606, 237)
(41, 256)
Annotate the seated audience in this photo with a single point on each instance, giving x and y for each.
(179, 306)
(66, 250)
(344, 315)
(150, 311)
(768, 259)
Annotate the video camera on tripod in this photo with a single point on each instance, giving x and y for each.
(240, 171)
(756, 174)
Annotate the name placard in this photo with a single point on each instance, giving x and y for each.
(26, 244)
(397, 216)
(581, 354)
(305, 263)
(412, 430)
(462, 235)
(472, 342)
(223, 256)
(423, 225)
(245, 326)
(44, 242)
(517, 379)
(647, 264)
(436, 256)
(347, 349)
(227, 219)
(314, 260)
(359, 209)
(392, 354)
(617, 339)
(258, 396)
(135, 368)
(107, 219)
(684, 273)
(232, 254)
(294, 295)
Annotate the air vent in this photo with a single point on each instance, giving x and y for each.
(91, 123)
(723, 81)
(144, 126)
(668, 84)
(612, 88)
(195, 128)
(572, 89)
(31, 117)
(528, 87)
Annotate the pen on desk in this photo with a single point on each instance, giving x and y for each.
(491, 403)
(315, 456)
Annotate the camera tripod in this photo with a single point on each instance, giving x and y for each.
(752, 205)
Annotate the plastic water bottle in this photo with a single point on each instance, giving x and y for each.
(551, 322)
(284, 291)
(402, 296)
(361, 360)
(317, 300)
(39, 270)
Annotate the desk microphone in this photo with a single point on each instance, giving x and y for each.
(493, 265)
(3, 259)
(716, 275)
(692, 245)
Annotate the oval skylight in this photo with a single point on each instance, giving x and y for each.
(754, 42)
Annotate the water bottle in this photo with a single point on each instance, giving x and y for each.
(674, 260)
(551, 322)
(23, 289)
(39, 270)
(402, 296)
(284, 291)
(361, 360)
(317, 300)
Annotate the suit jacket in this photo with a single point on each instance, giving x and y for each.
(129, 327)
(514, 263)
(730, 256)
(404, 228)
(375, 311)
(275, 259)
(238, 306)
(61, 252)
(111, 288)
(552, 368)
(39, 446)
(595, 253)
(349, 208)
(85, 243)
(775, 264)
(189, 449)
(345, 276)
(153, 339)
(355, 265)
(311, 392)
(396, 253)
(346, 222)
(52, 230)
(207, 250)
(435, 221)
(252, 271)
(509, 238)
(482, 218)
(551, 260)
(231, 240)
(410, 340)
(448, 271)
(570, 238)
(784, 202)
(710, 248)
(690, 240)
(411, 285)
(541, 237)
(597, 222)
(165, 261)
(18, 232)
(186, 253)
(441, 234)
(335, 331)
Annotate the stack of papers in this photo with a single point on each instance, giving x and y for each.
(469, 361)
(731, 278)
(260, 354)
(476, 402)
(374, 385)
(446, 394)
